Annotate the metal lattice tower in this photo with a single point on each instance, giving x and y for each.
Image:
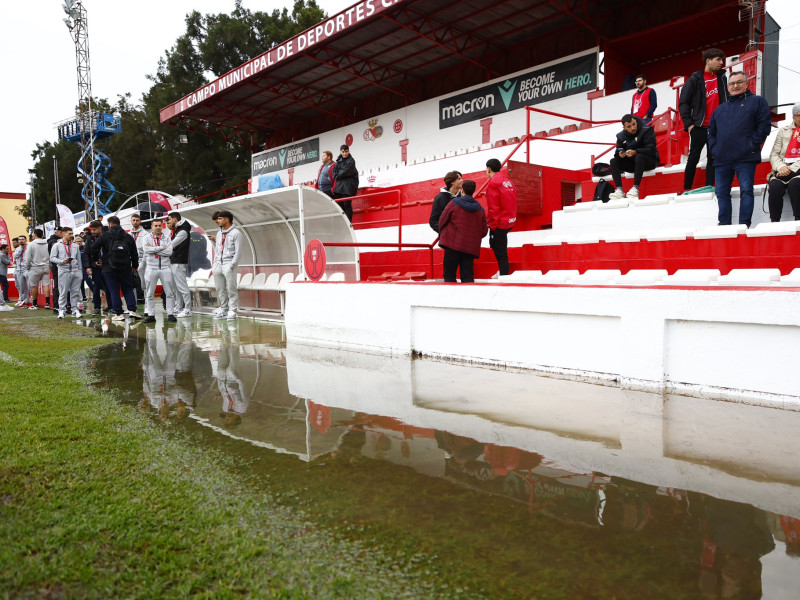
(89, 125)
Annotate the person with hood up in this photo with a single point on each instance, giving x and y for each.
(120, 259)
(157, 249)
(227, 248)
(451, 189)
(636, 153)
(462, 226)
(501, 200)
(181, 236)
(66, 256)
(736, 133)
(345, 180)
(37, 264)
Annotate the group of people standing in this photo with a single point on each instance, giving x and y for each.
(339, 178)
(732, 123)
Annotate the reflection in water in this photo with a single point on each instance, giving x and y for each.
(718, 497)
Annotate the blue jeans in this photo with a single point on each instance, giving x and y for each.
(116, 280)
(746, 173)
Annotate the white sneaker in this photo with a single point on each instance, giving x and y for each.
(496, 275)
(19, 302)
(5, 308)
(617, 194)
(118, 317)
(184, 313)
(76, 314)
(633, 193)
(61, 314)
(219, 313)
(232, 316)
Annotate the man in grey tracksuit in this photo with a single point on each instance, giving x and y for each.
(180, 233)
(226, 263)
(21, 273)
(37, 264)
(66, 256)
(156, 249)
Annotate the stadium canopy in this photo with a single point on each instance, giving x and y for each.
(381, 55)
(277, 225)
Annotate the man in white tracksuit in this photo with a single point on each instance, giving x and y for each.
(21, 273)
(156, 249)
(138, 232)
(66, 255)
(226, 263)
(181, 235)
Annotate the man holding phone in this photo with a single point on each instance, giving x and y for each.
(65, 254)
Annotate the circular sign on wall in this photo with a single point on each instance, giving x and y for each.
(398, 126)
(349, 139)
(314, 260)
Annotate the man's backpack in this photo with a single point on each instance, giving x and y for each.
(119, 256)
(601, 169)
(602, 191)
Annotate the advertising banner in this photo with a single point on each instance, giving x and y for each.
(4, 237)
(65, 217)
(534, 87)
(287, 157)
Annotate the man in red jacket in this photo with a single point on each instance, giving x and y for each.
(501, 197)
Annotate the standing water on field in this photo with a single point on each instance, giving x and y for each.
(521, 486)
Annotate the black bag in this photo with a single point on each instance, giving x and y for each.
(601, 170)
(603, 190)
(119, 257)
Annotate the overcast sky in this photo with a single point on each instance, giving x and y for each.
(126, 39)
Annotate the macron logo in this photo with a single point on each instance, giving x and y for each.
(507, 91)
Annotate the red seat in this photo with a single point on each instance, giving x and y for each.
(499, 143)
(554, 131)
(571, 127)
(513, 140)
(540, 134)
(583, 126)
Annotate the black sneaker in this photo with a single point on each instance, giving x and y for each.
(98, 313)
(149, 319)
(172, 319)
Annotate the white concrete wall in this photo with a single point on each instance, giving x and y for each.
(724, 343)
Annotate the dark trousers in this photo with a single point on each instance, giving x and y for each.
(98, 285)
(778, 186)
(4, 285)
(631, 164)
(698, 139)
(116, 281)
(461, 262)
(498, 242)
(54, 292)
(347, 205)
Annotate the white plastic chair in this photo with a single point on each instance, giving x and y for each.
(245, 281)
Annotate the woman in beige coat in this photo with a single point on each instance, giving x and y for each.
(785, 175)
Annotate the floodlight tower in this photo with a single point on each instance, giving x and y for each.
(88, 126)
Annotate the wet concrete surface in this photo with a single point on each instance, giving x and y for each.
(620, 493)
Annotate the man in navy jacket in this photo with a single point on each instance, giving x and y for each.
(736, 133)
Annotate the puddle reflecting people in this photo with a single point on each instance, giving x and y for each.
(501, 199)
(180, 235)
(167, 381)
(157, 250)
(234, 398)
(66, 255)
(785, 161)
(120, 259)
(227, 248)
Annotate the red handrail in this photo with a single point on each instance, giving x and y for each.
(225, 190)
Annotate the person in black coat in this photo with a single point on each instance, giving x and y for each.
(451, 189)
(120, 259)
(635, 153)
(345, 178)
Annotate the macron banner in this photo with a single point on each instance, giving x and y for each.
(286, 157)
(534, 87)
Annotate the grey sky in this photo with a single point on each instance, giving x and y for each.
(126, 40)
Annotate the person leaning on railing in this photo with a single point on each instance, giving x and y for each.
(785, 161)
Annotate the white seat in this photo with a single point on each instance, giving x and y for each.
(597, 277)
(653, 200)
(720, 232)
(581, 206)
(238, 279)
(245, 281)
(258, 281)
(677, 233)
(285, 280)
(559, 276)
(641, 277)
(623, 236)
(792, 279)
(548, 241)
(772, 229)
(519, 276)
(271, 282)
(336, 277)
(691, 277)
(617, 203)
(751, 277)
(583, 238)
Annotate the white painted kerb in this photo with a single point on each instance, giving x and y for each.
(704, 341)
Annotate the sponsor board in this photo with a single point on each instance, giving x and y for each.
(285, 158)
(534, 87)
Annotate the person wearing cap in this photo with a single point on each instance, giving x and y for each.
(785, 161)
(345, 180)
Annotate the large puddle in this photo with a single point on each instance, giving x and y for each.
(512, 477)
